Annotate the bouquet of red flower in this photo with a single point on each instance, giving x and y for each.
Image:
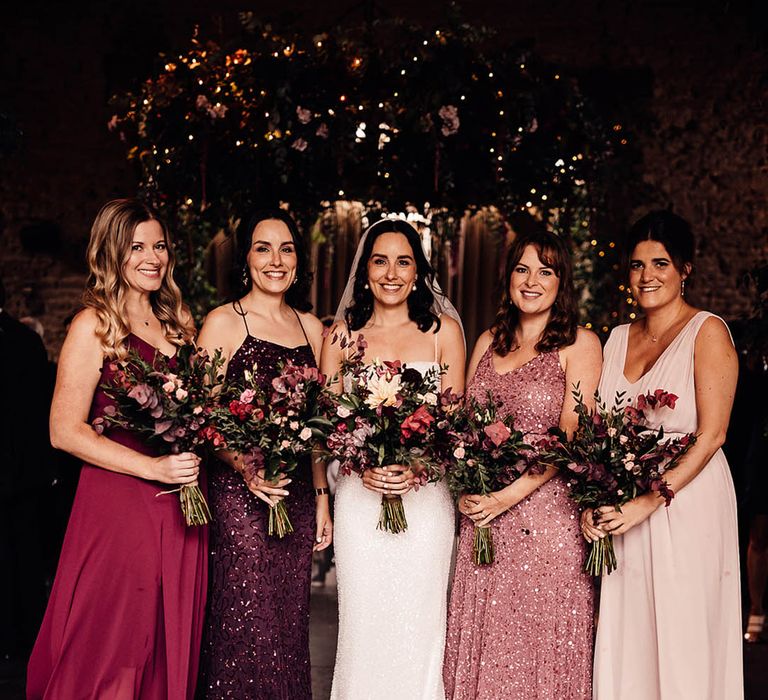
(276, 429)
(482, 453)
(614, 457)
(169, 401)
(385, 415)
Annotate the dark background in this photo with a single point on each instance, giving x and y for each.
(687, 79)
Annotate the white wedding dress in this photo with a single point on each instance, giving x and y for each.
(392, 592)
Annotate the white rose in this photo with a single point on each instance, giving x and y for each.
(459, 453)
(305, 434)
(343, 412)
(430, 398)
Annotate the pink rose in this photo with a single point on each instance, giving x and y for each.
(247, 396)
(497, 432)
(181, 394)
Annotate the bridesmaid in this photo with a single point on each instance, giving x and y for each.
(256, 642)
(670, 615)
(125, 615)
(522, 627)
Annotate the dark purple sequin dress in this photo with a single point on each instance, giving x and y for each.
(256, 641)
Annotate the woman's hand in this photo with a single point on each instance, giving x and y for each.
(481, 510)
(390, 480)
(182, 468)
(271, 492)
(323, 524)
(614, 522)
(591, 532)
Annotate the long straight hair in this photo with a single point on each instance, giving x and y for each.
(106, 289)
(560, 331)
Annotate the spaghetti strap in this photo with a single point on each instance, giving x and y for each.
(238, 307)
(435, 334)
(301, 325)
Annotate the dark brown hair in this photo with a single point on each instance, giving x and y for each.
(560, 331)
(297, 295)
(664, 227)
(419, 302)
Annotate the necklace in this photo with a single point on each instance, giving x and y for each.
(655, 338)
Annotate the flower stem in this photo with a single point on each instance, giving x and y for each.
(601, 558)
(482, 546)
(193, 504)
(392, 516)
(279, 522)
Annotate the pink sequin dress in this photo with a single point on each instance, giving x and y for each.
(521, 628)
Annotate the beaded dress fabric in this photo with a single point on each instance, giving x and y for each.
(256, 642)
(521, 628)
(393, 592)
(125, 615)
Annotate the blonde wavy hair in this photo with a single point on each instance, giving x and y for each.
(108, 249)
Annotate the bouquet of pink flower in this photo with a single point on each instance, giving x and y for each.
(482, 453)
(169, 401)
(275, 430)
(385, 415)
(613, 457)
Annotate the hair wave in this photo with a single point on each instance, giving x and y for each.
(560, 330)
(109, 247)
(420, 300)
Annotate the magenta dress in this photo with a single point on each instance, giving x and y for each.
(126, 611)
(256, 642)
(521, 628)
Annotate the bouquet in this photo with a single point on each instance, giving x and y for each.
(168, 401)
(274, 429)
(385, 415)
(613, 457)
(482, 453)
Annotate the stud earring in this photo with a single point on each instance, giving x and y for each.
(366, 286)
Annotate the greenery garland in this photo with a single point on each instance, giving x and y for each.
(391, 113)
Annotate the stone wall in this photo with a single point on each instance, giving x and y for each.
(687, 80)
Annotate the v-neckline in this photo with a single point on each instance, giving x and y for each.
(658, 359)
(154, 347)
(514, 369)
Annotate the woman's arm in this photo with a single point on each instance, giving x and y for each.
(77, 378)
(331, 357)
(715, 371)
(477, 353)
(582, 364)
(450, 342)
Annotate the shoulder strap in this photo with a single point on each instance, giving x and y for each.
(238, 307)
(301, 325)
(435, 334)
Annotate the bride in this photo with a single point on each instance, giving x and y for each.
(393, 587)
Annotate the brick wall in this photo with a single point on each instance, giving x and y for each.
(687, 79)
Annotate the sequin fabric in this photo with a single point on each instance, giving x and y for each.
(256, 643)
(521, 628)
(393, 592)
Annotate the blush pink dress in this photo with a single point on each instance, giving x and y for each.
(670, 615)
(521, 628)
